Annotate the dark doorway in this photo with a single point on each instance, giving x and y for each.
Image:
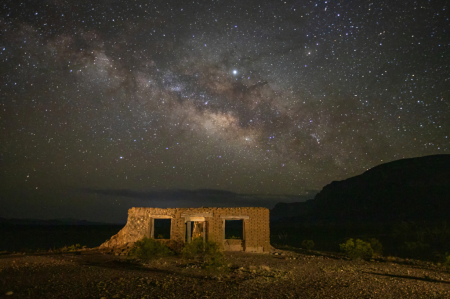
(195, 229)
(187, 230)
(234, 229)
(162, 228)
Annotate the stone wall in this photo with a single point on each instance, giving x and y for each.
(256, 235)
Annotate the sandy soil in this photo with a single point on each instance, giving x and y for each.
(285, 274)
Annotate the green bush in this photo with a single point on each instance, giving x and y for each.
(192, 249)
(66, 248)
(376, 247)
(357, 249)
(74, 247)
(147, 249)
(308, 244)
(207, 252)
(447, 260)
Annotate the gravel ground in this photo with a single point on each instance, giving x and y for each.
(285, 274)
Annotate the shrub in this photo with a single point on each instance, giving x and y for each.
(376, 247)
(192, 249)
(147, 249)
(416, 246)
(66, 248)
(417, 250)
(308, 244)
(357, 249)
(447, 260)
(213, 257)
(174, 246)
(420, 240)
(74, 247)
(208, 252)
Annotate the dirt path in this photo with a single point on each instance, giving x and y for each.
(286, 275)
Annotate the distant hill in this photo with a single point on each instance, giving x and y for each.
(285, 210)
(69, 221)
(416, 189)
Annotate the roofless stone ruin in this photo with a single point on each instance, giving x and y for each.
(235, 229)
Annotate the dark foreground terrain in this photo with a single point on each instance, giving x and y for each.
(285, 274)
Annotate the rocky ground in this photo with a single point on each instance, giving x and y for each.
(283, 274)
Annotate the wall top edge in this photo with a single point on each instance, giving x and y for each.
(197, 209)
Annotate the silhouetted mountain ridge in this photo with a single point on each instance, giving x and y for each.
(285, 210)
(416, 189)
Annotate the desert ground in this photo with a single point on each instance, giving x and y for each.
(282, 274)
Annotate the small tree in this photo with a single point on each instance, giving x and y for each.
(357, 249)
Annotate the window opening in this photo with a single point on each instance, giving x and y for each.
(234, 229)
(162, 228)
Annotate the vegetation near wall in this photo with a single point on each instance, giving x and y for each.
(148, 248)
(208, 253)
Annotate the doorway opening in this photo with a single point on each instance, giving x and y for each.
(194, 230)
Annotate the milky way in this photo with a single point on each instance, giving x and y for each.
(260, 97)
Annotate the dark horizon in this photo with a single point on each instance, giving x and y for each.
(127, 199)
(106, 103)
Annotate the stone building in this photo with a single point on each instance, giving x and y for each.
(235, 229)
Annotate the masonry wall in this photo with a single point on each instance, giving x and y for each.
(256, 227)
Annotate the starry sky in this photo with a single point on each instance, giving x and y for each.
(111, 104)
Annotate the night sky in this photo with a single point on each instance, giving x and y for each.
(107, 105)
